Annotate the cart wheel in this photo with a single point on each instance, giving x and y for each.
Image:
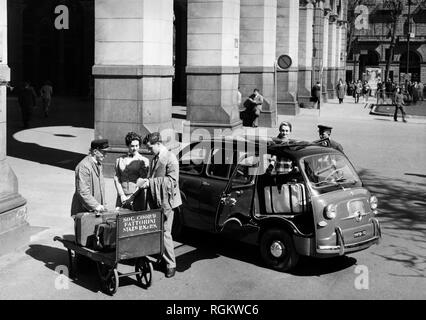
(108, 277)
(144, 266)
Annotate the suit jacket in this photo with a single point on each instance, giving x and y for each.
(164, 181)
(89, 186)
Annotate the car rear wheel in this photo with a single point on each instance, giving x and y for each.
(277, 250)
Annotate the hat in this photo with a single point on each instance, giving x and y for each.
(99, 144)
(324, 128)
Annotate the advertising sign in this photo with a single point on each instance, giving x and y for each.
(374, 75)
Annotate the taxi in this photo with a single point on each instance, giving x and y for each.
(288, 199)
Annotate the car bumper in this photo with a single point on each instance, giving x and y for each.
(341, 248)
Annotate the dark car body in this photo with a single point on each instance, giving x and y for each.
(291, 200)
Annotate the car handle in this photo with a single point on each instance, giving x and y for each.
(204, 183)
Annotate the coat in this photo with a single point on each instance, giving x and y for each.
(341, 90)
(89, 186)
(164, 181)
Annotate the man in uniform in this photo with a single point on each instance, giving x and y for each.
(163, 191)
(89, 192)
(324, 133)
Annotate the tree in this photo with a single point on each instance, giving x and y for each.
(395, 12)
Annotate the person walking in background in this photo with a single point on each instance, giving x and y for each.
(46, 93)
(27, 100)
(358, 90)
(341, 91)
(399, 105)
(380, 93)
(163, 191)
(365, 91)
(316, 94)
(128, 170)
(420, 88)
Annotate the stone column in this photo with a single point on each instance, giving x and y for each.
(13, 212)
(423, 72)
(257, 55)
(15, 30)
(326, 62)
(306, 35)
(133, 69)
(287, 43)
(213, 64)
(318, 38)
(332, 49)
(341, 54)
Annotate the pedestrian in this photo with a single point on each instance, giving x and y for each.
(46, 92)
(365, 91)
(239, 98)
(341, 90)
(257, 100)
(316, 94)
(351, 89)
(324, 134)
(89, 192)
(358, 90)
(420, 88)
(415, 92)
(380, 94)
(399, 105)
(27, 100)
(163, 192)
(129, 169)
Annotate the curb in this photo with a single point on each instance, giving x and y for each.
(378, 113)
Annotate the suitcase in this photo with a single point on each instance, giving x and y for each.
(285, 198)
(105, 234)
(84, 226)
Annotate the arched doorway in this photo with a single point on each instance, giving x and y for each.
(413, 65)
(371, 59)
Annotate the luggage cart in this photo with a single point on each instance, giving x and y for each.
(139, 234)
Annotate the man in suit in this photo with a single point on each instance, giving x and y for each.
(324, 133)
(89, 192)
(163, 191)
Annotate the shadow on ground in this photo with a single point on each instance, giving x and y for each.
(402, 206)
(65, 111)
(211, 246)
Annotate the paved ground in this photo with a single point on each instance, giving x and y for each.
(390, 158)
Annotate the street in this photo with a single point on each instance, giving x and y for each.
(389, 156)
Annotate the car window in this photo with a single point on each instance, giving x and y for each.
(220, 163)
(246, 170)
(192, 160)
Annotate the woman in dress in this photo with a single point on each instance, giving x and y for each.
(128, 169)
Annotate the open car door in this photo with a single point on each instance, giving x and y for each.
(236, 201)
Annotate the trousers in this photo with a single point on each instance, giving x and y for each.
(169, 249)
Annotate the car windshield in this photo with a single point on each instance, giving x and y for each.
(329, 172)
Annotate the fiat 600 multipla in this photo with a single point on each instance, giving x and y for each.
(289, 199)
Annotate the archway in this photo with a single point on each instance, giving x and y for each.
(371, 59)
(413, 65)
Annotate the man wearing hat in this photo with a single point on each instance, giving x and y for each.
(89, 192)
(324, 133)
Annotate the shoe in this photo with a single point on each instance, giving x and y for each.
(170, 272)
(395, 120)
(404, 120)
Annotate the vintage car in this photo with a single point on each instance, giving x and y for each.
(289, 199)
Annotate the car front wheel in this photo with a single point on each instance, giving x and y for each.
(277, 250)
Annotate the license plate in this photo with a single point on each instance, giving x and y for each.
(360, 234)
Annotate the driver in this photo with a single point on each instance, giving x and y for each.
(324, 133)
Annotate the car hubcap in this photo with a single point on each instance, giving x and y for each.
(277, 249)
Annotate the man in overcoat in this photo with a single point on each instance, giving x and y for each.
(89, 192)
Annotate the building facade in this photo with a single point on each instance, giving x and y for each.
(145, 55)
(371, 46)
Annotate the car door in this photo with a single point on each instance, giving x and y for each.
(236, 199)
(216, 178)
(191, 167)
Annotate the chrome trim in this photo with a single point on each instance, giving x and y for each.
(377, 230)
(340, 241)
(348, 246)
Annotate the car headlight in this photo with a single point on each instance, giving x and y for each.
(373, 202)
(330, 211)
